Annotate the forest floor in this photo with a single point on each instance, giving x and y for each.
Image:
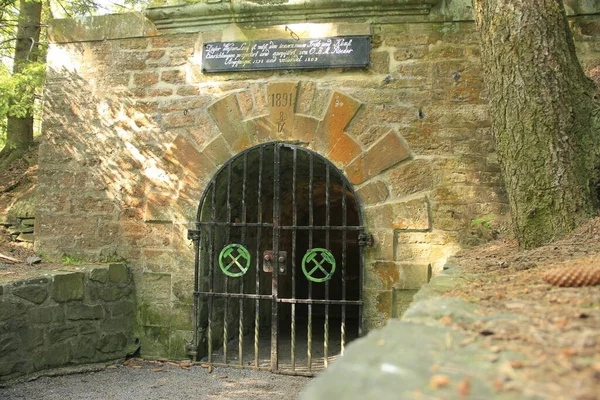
(559, 332)
(556, 329)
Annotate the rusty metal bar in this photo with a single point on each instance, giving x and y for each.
(280, 300)
(344, 249)
(275, 283)
(226, 282)
(284, 227)
(310, 245)
(196, 307)
(243, 279)
(294, 233)
(320, 301)
(236, 295)
(327, 223)
(211, 256)
(258, 256)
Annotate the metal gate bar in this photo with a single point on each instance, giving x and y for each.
(327, 222)
(226, 277)
(258, 256)
(211, 275)
(310, 246)
(242, 281)
(294, 234)
(275, 272)
(344, 249)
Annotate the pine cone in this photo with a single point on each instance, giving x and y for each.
(573, 276)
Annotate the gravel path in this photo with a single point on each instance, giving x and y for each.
(170, 382)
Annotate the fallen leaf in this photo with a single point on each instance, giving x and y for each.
(499, 295)
(525, 291)
(468, 341)
(223, 377)
(111, 367)
(439, 381)
(516, 364)
(157, 370)
(464, 387)
(210, 368)
(380, 342)
(568, 352)
(498, 385)
(136, 366)
(446, 320)
(172, 364)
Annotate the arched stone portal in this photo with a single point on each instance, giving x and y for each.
(279, 267)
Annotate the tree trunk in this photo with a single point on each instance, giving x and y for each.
(19, 132)
(542, 108)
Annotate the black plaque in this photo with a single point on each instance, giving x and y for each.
(331, 52)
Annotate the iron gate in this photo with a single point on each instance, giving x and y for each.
(278, 262)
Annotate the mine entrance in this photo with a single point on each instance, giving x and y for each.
(278, 274)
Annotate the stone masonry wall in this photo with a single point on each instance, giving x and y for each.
(134, 130)
(62, 318)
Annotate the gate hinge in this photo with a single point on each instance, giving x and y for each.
(365, 239)
(193, 235)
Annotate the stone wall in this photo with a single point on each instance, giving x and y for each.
(134, 130)
(61, 318)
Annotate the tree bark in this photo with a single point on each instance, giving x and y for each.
(543, 116)
(19, 132)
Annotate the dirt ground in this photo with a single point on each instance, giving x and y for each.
(559, 329)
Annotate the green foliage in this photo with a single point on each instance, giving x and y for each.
(72, 260)
(485, 222)
(18, 92)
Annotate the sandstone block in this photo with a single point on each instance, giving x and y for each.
(373, 192)
(176, 76)
(384, 243)
(158, 209)
(385, 153)
(415, 275)
(218, 151)
(145, 78)
(380, 62)
(382, 275)
(408, 215)
(177, 343)
(67, 287)
(401, 301)
(154, 341)
(228, 117)
(155, 287)
(411, 177)
(182, 317)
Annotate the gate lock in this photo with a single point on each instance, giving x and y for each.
(269, 260)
